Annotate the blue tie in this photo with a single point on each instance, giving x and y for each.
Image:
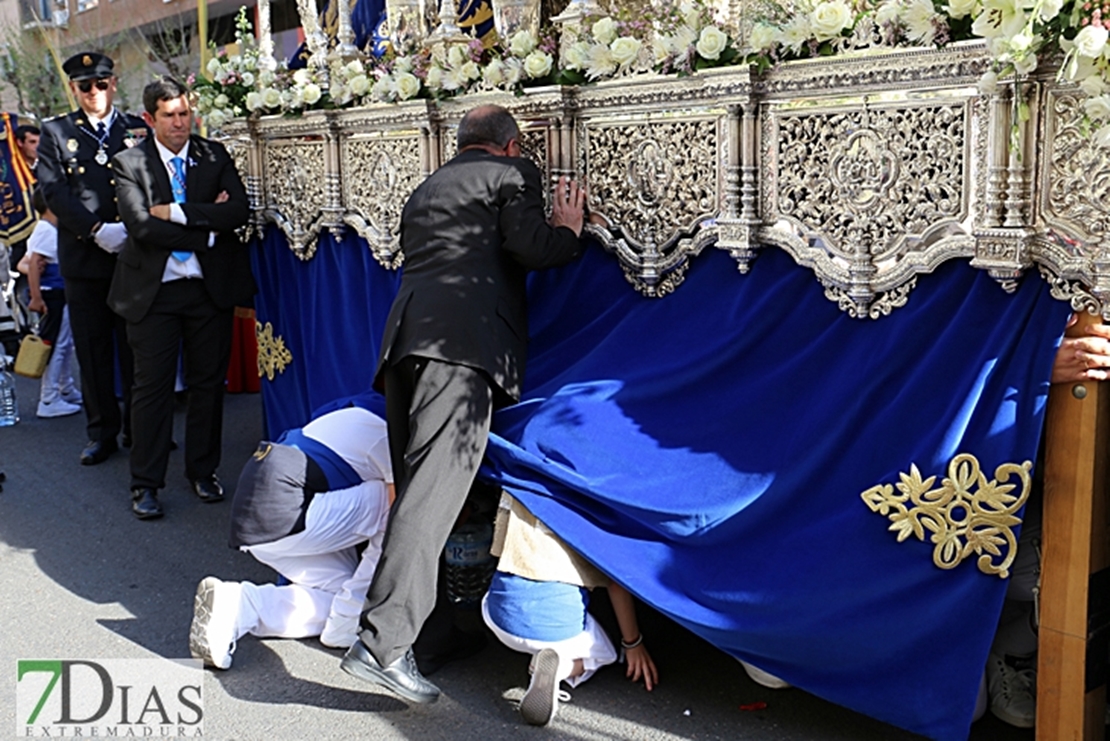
(179, 196)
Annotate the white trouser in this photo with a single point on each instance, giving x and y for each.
(329, 581)
(592, 645)
(58, 376)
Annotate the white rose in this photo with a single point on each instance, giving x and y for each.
(271, 98)
(254, 101)
(402, 64)
(988, 83)
(216, 119)
(213, 65)
(340, 93)
(354, 68)
(384, 89)
(514, 71)
(470, 71)
(408, 85)
(712, 42)
(312, 93)
(625, 49)
(456, 56)
(248, 78)
(1091, 41)
(577, 56)
(522, 43)
(830, 18)
(265, 78)
(605, 30)
(1098, 108)
(494, 73)
(960, 8)
(1050, 9)
(434, 78)
(359, 84)
(763, 36)
(301, 77)
(1093, 85)
(537, 64)
(1102, 137)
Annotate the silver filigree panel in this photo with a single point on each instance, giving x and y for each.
(869, 178)
(379, 175)
(295, 192)
(1076, 196)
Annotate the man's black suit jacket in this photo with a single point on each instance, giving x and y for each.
(470, 233)
(81, 192)
(142, 182)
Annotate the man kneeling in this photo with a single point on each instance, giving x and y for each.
(304, 506)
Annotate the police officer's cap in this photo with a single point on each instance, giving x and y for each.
(88, 65)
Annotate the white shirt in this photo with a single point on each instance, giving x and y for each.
(176, 269)
(359, 437)
(44, 241)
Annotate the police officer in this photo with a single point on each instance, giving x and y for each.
(75, 174)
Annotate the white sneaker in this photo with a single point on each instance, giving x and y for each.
(1012, 691)
(73, 396)
(764, 679)
(214, 630)
(540, 702)
(56, 408)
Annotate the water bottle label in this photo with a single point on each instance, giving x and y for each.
(467, 553)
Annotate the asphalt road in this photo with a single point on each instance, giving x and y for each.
(82, 578)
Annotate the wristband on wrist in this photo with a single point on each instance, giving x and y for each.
(632, 644)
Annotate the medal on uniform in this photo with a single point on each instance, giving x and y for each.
(101, 157)
(71, 145)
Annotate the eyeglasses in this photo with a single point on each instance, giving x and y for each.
(87, 85)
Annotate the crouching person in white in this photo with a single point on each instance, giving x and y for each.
(537, 604)
(304, 506)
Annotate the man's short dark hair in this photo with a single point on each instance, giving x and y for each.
(38, 200)
(487, 124)
(166, 88)
(21, 132)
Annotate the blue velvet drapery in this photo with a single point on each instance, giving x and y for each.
(709, 449)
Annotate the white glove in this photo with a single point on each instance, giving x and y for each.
(111, 237)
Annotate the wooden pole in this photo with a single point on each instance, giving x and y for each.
(1071, 695)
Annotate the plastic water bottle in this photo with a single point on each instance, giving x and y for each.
(469, 563)
(9, 407)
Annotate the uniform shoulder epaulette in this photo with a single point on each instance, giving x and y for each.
(54, 118)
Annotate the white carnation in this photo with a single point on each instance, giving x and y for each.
(660, 49)
(797, 32)
(302, 77)
(537, 64)
(216, 119)
(625, 49)
(494, 73)
(514, 71)
(577, 56)
(763, 36)
(712, 42)
(920, 18)
(454, 79)
(683, 39)
(384, 89)
(470, 71)
(271, 97)
(402, 64)
(600, 63)
(434, 78)
(605, 30)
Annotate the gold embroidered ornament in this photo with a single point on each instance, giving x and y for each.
(966, 515)
(273, 355)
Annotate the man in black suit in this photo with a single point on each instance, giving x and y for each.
(454, 349)
(177, 282)
(76, 176)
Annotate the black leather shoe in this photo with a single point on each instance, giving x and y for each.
(97, 451)
(208, 489)
(401, 677)
(144, 503)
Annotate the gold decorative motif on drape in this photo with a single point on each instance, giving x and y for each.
(273, 355)
(968, 514)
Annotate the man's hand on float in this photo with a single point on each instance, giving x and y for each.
(568, 204)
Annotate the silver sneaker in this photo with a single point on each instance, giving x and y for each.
(540, 702)
(1013, 692)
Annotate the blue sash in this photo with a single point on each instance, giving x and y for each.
(339, 472)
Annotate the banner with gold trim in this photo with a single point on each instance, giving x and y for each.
(17, 215)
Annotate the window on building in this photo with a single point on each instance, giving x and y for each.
(83, 5)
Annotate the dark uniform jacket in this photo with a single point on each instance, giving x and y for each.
(470, 234)
(79, 190)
